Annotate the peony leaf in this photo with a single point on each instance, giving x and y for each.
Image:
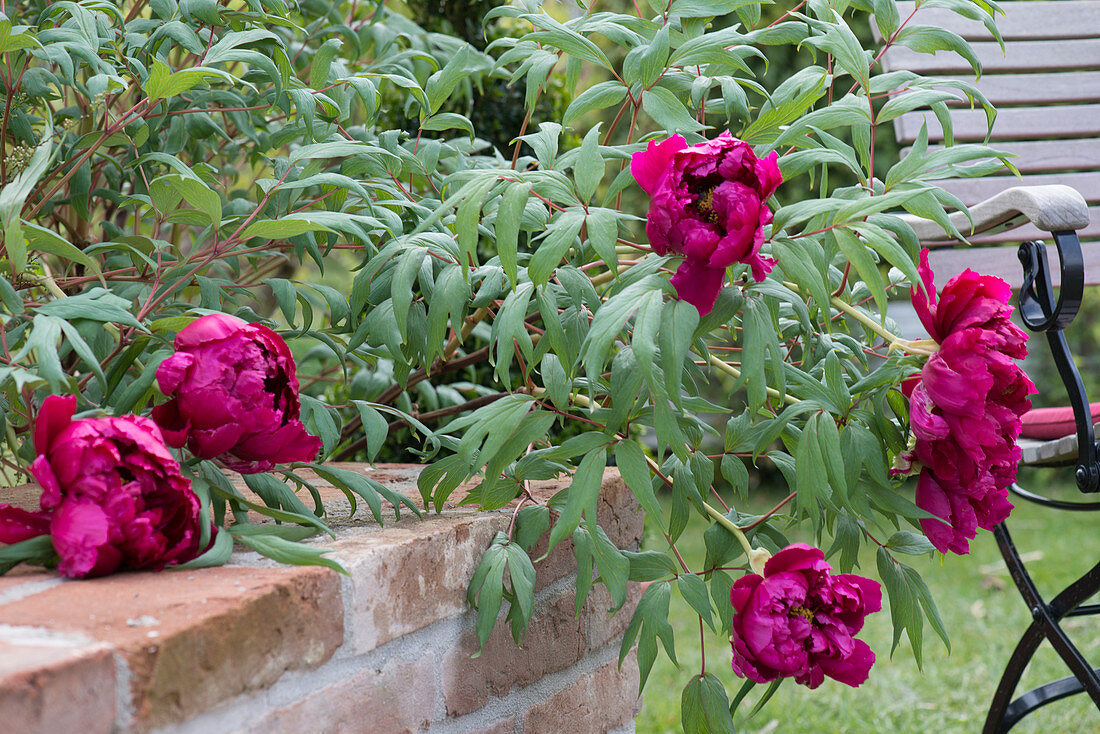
(288, 551)
(589, 167)
(532, 522)
(374, 426)
(905, 541)
(704, 708)
(596, 97)
(648, 624)
(904, 607)
(613, 565)
(583, 550)
(668, 111)
(521, 598)
(38, 551)
(632, 466)
(580, 496)
(218, 554)
(561, 234)
(486, 590)
(509, 217)
(694, 591)
(650, 566)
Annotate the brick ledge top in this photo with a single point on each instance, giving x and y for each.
(188, 639)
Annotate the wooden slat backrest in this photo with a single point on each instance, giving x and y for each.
(1046, 86)
(1023, 21)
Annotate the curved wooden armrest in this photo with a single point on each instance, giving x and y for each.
(1053, 208)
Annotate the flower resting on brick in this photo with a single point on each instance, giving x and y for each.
(112, 495)
(708, 203)
(234, 396)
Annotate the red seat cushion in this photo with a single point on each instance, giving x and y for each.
(1048, 423)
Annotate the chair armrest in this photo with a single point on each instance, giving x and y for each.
(1053, 208)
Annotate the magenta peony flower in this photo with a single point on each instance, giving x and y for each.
(966, 410)
(709, 204)
(234, 396)
(969, 300)
(112, 495)
(799, 620)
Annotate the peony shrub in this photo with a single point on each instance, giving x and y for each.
(243, 240)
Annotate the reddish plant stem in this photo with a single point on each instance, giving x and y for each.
(361, 443)
(759, 521)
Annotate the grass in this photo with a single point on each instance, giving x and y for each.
(981, 610)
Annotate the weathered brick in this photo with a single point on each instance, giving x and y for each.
(193, 639)
(602, 626)
(23, 495)
(410, 576)
(47, 687)
(393, 698)
(618, 512)
(415, 573)
(597, 702)
(22, 580)
(503, 726)
(555, 640)
(559, 563)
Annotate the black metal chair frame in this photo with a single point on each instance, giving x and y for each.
(1040, 312)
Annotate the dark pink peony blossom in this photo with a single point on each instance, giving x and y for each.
(112, 495)
(709, 204)
(964, 513)
(965, 413)
(969, 300)
(234, 396)
(799, 621)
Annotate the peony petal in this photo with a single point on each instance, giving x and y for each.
(212, 327)
(924, 302)
(956, 525)
(768, 175)
(698, 240)
(51, 489)
(698, 285)
(852, 669)
(211, 444)
(80, 532)
(173, 371)
(761, 266)
(54, 416)
(649, 166)
(172, 425)
(17, 524)
(796, 557)
(742, 590)
(290, 442)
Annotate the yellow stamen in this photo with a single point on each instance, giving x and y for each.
(705, 205)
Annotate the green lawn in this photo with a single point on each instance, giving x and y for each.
(982, 612)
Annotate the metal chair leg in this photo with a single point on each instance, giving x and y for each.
(1004, 713)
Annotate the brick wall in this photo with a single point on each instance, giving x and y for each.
(256, 647)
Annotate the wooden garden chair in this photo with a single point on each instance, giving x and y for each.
(1046, 86)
